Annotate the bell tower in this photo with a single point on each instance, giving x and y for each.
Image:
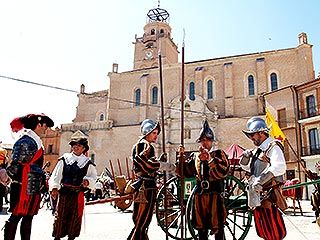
(156, 37)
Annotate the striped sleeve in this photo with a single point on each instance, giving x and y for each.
(145, 164)
(219, 164)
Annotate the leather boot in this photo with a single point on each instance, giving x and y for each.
(10, 229)
(25, 228)
(219, 235)
(203, 234)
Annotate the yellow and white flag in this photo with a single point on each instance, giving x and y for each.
(275, 130)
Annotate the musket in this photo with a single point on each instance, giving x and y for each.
(163, 143)
(181, 155)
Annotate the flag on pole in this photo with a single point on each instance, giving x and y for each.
(275, 130)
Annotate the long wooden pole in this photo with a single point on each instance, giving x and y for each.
(114, 177)
(128, 172)
(119, 166)
(181, 156)
(163, 143)
(305, 170)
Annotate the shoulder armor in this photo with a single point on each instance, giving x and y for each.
(275, 143)
(24, 149)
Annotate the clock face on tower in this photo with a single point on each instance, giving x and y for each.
(148, 55)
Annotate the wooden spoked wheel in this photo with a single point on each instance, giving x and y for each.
(172, 189)
(239, 217)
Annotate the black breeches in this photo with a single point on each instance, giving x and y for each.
(25, 226)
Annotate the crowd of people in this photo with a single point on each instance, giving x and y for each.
(75, 174)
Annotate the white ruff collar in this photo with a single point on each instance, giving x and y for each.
(34, 136)
(71, 158)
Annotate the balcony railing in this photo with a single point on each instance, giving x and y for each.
(311, 150)
(309, 112)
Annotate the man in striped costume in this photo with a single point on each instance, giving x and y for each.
(210, 167)
(145, 166)
(26, 173)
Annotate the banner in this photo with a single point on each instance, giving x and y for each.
(275, 130)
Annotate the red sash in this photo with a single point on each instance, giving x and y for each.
(28, 204)
(269, 223)
(80, 198)
(80, 203)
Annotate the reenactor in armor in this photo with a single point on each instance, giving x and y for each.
(266, 166)
(25, 170)
(210, 167)
(145, 166)
(73, 174)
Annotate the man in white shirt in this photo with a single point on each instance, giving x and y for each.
(73, 174)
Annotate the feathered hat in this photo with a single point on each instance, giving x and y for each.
(30, 121)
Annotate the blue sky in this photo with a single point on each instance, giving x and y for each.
(69, 42)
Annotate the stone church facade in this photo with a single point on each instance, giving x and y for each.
(226, 91)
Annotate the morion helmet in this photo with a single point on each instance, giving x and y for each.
(254, 125)
(148, 125)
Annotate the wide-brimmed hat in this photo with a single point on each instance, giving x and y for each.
(206, 132)
(254, 125)
(147, 126)
(79, 138)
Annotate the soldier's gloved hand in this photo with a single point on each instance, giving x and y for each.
(257, 185)
(163, 157)
(245, 157)
(166, 166)
(247, 153)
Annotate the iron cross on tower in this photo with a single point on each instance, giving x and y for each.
(158, 14)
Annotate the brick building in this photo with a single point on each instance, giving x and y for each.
(51, 143)
(226, 90)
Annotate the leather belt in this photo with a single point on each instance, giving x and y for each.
(205, 184)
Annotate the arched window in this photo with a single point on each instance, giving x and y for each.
(191, 91)
(274, 81)
(161, 31)
(154, 95)
(187, 132)
(137, 97)
(101, 117)
(209, 89)
(311, 106)
(250, 85)
(153, 31)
